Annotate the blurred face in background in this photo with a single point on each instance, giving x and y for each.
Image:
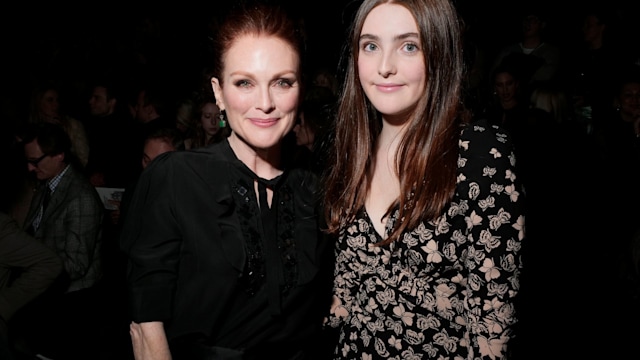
(49, 105)
(532, 25)
(506, 87)
(592, 28)
(140, 113)
(144, 112)
(209, 118)
(304, 135)
(629, 101)
(99, 105)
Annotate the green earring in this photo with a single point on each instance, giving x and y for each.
(222, 122)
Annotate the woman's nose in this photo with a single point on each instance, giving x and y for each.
(265, 103)
(387, 65)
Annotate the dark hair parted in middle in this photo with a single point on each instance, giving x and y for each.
(426, 161)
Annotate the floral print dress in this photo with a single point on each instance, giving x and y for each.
(446, 289)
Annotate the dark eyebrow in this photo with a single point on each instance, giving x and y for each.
(368, 37)
(397, 37)
(279, 75)
(407, 35)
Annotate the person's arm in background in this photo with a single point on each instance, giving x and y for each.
(39, 267)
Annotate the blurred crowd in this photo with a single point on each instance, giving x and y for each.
(126, 88)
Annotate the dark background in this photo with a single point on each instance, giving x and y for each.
(28, 26)
(31, 31)
(72, 43)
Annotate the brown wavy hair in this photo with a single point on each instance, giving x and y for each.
(426, 162)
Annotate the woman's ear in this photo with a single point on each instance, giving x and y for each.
(59, 157)
(217, 91)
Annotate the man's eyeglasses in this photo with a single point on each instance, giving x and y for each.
(35, 162)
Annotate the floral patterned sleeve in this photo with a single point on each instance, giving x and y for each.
(495, 224)
(445, 289)
(345, 282)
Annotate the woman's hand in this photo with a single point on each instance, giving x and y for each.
(149, 341)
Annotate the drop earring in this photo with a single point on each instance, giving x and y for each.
(223, 121)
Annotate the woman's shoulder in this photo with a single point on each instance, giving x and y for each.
(481, 134)
(73, 123)
(184, 161)
(303, 176)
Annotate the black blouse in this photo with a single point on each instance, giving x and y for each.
(202, 261)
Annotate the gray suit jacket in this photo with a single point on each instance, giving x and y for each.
(72, 227)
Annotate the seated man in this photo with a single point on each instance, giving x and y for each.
(66, 215)
(27, 269)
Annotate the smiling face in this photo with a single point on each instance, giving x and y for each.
(390, 61)
(259, 90)
(99, 103)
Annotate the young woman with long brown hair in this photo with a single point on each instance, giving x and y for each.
(425, 203)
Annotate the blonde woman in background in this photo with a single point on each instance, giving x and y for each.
(46, 107)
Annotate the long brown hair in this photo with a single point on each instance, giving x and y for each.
(426, 162)
(199, 138)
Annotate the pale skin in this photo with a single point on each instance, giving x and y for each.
(393, 76)
(260, 94)
(260, 98)
(149, 341)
